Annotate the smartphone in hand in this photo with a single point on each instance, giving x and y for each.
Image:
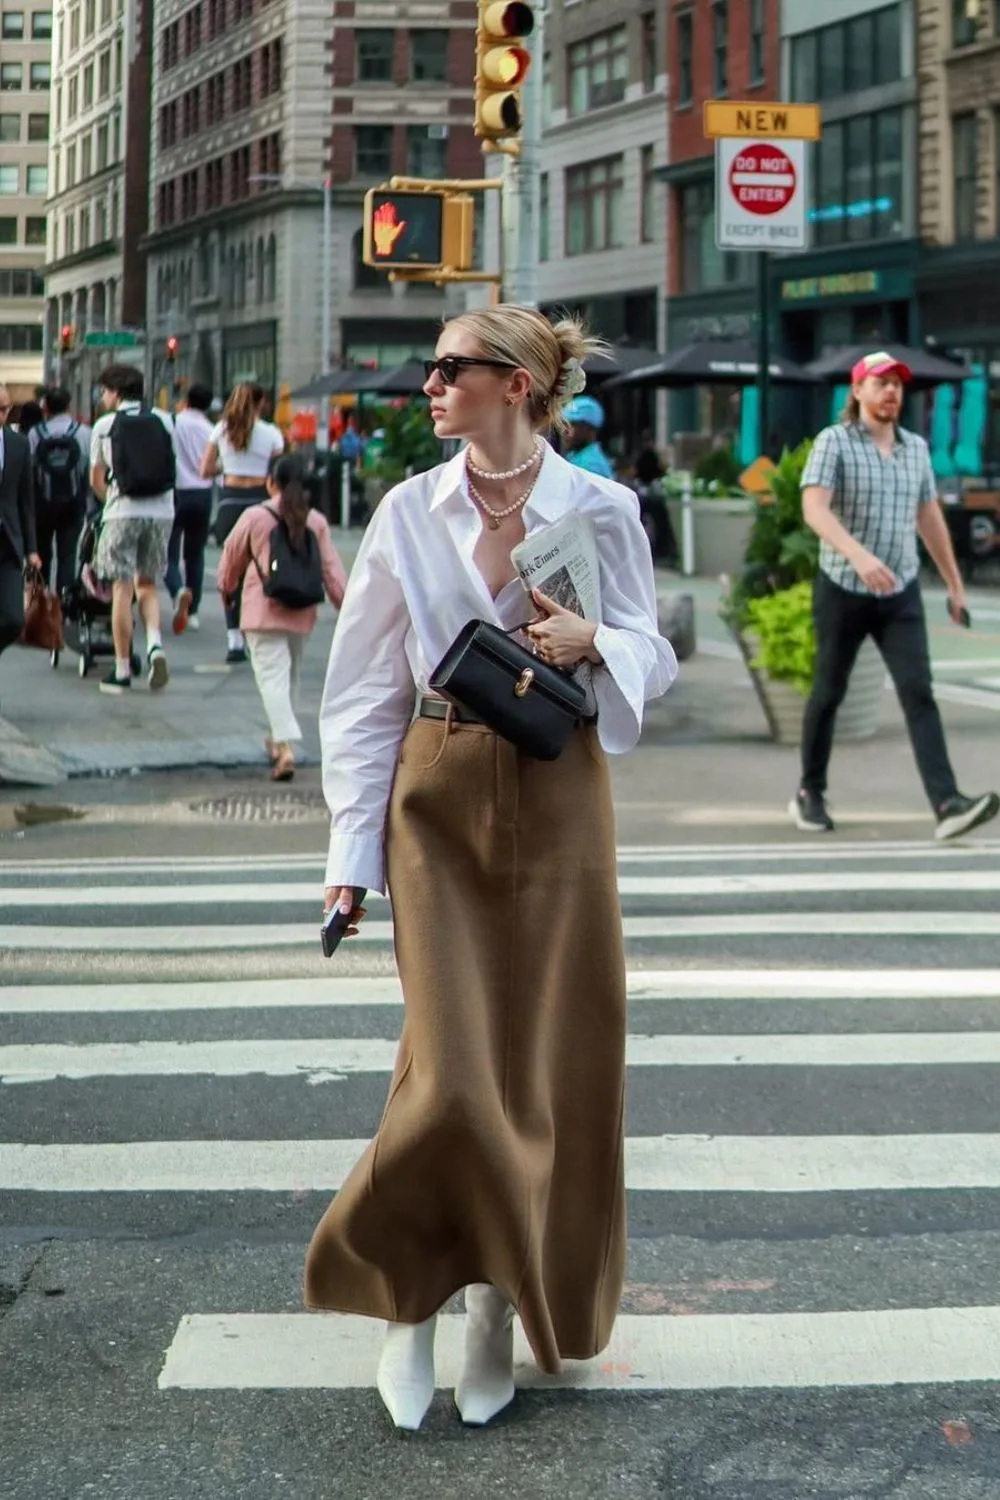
(336, 923)
(960, 617)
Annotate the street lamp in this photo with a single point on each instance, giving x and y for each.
(326, 304)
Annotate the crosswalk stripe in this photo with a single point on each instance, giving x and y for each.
(272, 893)
(643, 984)
(904, 1346)
(660, 1164)
(325, 1060)
(201, 939)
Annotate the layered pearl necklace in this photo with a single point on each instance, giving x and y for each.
(495, 517)
(505, 473)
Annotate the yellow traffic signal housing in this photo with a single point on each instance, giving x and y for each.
(501, 65)
(418, 230)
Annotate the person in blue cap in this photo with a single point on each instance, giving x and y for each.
(586, 418)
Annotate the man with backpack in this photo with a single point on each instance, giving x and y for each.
(60, 449)
(133, 468)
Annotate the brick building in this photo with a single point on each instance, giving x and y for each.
(255, 102)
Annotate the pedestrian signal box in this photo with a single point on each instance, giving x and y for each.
(502, 62)
(418, 231)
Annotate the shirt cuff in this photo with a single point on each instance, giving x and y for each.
(620, 691)
(356, 859)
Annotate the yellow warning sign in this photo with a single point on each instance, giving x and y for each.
(756, 479)
(734, 118)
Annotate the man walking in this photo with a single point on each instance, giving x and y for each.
(192, 509)
(868, 491)
(17, 525)
(60, 449)
(133, 468)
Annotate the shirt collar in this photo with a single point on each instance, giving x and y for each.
(550, 498)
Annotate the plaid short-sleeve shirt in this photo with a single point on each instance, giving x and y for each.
(876, 497)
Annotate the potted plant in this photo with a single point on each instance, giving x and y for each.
(768, 608)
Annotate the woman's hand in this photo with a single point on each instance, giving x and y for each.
(561, 638)
(343, 896)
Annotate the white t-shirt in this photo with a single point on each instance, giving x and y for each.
(192, 435)
(119, 507)
(250, 462)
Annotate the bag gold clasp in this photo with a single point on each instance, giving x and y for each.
(524, 682)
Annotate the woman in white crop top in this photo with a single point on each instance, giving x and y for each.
(240, 448)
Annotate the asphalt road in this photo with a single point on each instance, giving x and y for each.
(811, 1311)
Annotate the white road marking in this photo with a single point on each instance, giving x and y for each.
(660, 1164)
(904, 1346)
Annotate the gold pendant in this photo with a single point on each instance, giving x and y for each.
(493, 523)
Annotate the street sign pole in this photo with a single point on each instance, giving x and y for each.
(763, 352)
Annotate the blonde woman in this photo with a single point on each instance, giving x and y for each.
(498, 1163)
(240, 448)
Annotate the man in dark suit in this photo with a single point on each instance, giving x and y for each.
(17, 525)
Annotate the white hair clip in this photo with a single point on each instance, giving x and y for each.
(572, 378)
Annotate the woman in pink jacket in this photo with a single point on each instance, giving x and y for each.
(275, 634)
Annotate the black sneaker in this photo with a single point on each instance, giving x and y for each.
(159, 672)
(235, 655)
(808, 812)
(961, 814)
(114, 684)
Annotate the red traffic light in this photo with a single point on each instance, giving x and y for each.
(66, 336)
(173, 345)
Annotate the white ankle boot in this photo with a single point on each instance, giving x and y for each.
(487, 1382)
(405, 1376)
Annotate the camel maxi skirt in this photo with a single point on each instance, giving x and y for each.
(499, 1156)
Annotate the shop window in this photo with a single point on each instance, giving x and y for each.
(375, 49)
(594, 206)
(429, 56)
(964, 133)
(598, 71)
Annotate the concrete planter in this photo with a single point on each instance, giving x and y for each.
(721, 531)
(784, 705)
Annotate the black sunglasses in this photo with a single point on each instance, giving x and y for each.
(450, 365)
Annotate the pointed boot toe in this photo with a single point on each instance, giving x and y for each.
(486, 1386)
(405, 1378)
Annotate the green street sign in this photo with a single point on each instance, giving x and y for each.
(117, 338)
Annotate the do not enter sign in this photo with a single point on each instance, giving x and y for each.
(762, 179)
(760, 194)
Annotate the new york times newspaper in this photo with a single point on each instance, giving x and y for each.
(561, 562)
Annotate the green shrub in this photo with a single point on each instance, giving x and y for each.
(781, 549)
(718, 467)
(782, 623)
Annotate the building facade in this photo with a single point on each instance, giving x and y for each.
(602, 205)
(99, 183)
(959, 273)
(257, 104)
(25, 80)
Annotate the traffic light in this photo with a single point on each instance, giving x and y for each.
(418, 231)
(173, 346)
(66, 338)
(502, 62)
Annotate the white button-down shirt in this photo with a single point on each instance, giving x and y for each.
(414, 586)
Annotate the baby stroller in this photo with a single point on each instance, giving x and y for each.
(86, 607)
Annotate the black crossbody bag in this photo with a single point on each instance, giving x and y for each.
(533, 705)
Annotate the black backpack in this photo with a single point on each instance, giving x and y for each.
(58, 476)
(294, 574)
(142, 455)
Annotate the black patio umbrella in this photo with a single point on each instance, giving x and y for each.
(713, 362)
(406, 379)
(329, 385)
(620, 359)
(927, 369)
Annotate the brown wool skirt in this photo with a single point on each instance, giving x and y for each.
(499, 1157)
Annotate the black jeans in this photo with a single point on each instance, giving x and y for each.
(11, 594)
(232, 504)
(192, 515)
(58, 528)
(896, 624)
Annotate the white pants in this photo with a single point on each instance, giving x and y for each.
(276, 656)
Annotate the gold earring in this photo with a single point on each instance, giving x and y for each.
(509, 399)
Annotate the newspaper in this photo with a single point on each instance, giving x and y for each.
(561, 562)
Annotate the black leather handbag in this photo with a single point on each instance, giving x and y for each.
(533, 705)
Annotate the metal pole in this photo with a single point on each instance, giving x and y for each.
(345, 496)
(327, 290)
(519, 195)
(763, 353)
(687, 526)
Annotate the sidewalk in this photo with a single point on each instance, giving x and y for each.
(58, 725)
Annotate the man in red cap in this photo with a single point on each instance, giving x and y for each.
(868, 491)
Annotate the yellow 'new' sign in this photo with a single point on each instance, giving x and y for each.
(732, 117)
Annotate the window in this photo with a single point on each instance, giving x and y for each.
(858, 191)
(963, 24)
(13, 25)
(41, 25)
(38, 181)
(10, 129)
(720, 47)
(543, 216)
(102, 146)
(269, 156)
(832, 53)
(71, 166)
(374, 55)
(685, 44)
(242, 84)
(757, 42)
(34, 229)
(192, 30)
(85, 228)
(89, 17)
(648, 187)
(69, 235)
(862, 53)
(215, 98)
(704, 267)
(546, 90)
(118, 63)
(86, 158)
(964, 130)
(88, 85)
(73, 98)
(888, 45)
(11, 77)
(372, 150)
(429, 56)
(101, 221)
(41, 76)
(38, 127)
(20, 338)
(104, 74)
(170, 46)
(425, 154)
(598, 71)
(271, 67)
(594, 200)
(9, 180)
(8, 231)
(650, 56)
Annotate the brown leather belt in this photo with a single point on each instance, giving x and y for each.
(438, 708)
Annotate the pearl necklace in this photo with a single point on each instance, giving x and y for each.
(494, 517)
(506, 473)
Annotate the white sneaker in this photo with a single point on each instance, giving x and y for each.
(193, 622)
(159, 672)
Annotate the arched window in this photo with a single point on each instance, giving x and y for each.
(365, 277)
(271, 270)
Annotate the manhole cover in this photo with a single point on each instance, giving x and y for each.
(265, 807)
